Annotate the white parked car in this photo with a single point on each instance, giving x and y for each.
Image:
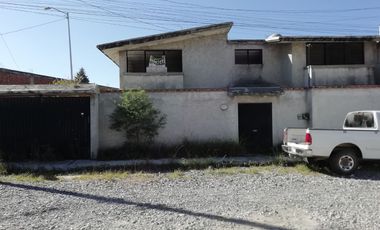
(342, 148)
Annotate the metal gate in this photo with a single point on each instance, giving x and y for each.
(45, 128)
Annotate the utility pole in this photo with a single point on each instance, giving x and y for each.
(68, 31)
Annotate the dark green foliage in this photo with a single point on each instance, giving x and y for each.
(3, 166)
(136, 116)
(81, 77)
(184, 150)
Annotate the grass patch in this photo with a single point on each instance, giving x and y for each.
(109, 175)
(236, 170)
(94, 175)
(298, 168)
(176, 174)
(28, 177)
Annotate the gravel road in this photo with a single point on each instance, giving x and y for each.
(196, 200)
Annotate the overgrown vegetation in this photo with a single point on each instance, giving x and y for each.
(29, 177)
(136, 116)
(3, 166)
(80, 78)
(298, 168)
(64, 82)
(184, 150)
(144, 175)
(176, 174)
(109, 175)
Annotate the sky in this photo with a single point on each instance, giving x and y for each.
(35, 40)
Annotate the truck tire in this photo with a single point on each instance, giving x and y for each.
(344, 162)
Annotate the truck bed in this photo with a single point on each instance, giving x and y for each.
(325, 140)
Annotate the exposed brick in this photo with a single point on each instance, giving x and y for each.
(13, 77)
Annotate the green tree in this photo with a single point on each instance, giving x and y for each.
(137, 117)
(81, 77)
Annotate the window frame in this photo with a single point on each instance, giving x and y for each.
(146, 61)
(347, 46)
(352, 114)
(248, 59)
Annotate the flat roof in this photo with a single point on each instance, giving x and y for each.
(47, 90)
(329, 38)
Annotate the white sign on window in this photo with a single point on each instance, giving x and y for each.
(157, 64)
(157, 61)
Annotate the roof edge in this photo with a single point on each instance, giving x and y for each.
(246, 41)
(161, 36)
(329, 38)
(12, 71)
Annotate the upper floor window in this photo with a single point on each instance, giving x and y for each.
(248, 56)
(335, 53)
(139, 60)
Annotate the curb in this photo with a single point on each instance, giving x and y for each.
(72, 165)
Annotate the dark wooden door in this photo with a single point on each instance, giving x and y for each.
(45, 128)
(255, 126)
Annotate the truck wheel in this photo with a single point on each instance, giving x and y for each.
(344, 162)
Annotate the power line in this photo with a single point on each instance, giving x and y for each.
(30, 27)
(9, 51)
(274, 11)
(176, 14)
(121, 15)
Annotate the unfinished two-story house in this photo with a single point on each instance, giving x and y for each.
(213, 88)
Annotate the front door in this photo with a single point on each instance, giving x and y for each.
(255, 126)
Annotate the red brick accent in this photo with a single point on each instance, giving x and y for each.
(13, 77)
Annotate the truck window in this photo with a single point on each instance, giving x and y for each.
(360, 120)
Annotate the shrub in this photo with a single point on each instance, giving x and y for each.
(136, 116)
(3, 166)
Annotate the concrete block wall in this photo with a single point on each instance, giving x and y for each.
(330, 106)
(209, 62)
(108, 138)
(197, 115)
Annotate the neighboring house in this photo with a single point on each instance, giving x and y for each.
(246, 90)
(14, 77)
(42, 121)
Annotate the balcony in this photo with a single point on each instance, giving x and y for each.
(337, 75)
(151, 81)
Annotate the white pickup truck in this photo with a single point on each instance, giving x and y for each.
(342, 148)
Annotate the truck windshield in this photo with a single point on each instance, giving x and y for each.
(359, 120)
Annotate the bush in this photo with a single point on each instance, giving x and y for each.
(184, 150)
(3, 166)
(136, 116)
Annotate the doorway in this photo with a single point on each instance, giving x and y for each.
(255, 126)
